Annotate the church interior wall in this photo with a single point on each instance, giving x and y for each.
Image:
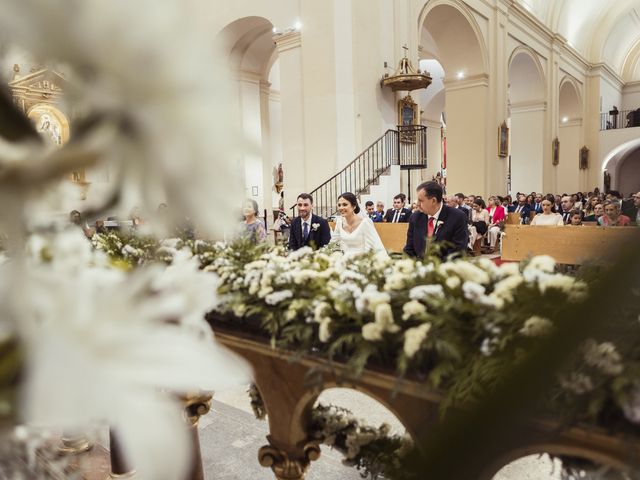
(630, 96)
(628, 173)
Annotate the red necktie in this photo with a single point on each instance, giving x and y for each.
(430, 227)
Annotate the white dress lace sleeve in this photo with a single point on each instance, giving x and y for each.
(337, 229)
(371, 237)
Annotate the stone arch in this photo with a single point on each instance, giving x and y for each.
(530, 80)
(468, 51)
(527, 114)
(624, 156)
(450, 33)
(569, 177)
(570, 99)
(598, 456)
(631, 64)
(307, 401)
(248, 45)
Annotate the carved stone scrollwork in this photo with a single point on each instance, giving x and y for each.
(196, 405)
(284, 467)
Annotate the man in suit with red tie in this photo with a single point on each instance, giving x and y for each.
(435, 222)
(398, 214)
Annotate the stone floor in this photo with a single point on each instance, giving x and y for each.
(231, 422)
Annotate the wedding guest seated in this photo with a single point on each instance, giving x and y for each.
(566, 207)
(398, 214)
(631, 208)
(598, 211)
(548, 217)
(252, 227)
(372, 213)
(380, 209)
(612, 217)
(496, 218)
(355, 233)
(522, 209)
(308, 229)
(442, 224)
(576, 218)
(479, 221)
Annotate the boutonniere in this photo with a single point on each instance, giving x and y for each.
(439, 223)
(315, 226)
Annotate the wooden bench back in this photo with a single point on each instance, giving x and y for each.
(393, 235)
(566, 244)
(514, 218)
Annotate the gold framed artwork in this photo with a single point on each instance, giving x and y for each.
(584, 158)
(407, 118)
(503, 140)
(555, 151)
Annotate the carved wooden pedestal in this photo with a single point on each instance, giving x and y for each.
(280, 378)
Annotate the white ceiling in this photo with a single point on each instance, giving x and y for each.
(601, 30)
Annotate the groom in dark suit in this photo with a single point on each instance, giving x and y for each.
(308, 230)
(436, 222)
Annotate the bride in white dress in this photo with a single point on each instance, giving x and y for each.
(355, 233)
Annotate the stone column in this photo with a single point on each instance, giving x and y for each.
(291, 96)
(467, 124)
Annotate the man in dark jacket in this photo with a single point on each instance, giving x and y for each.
(398, 214)
(307, 229)
(435, 222)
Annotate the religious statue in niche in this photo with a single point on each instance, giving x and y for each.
(607, 182)
(407, 119)
(584, 158)
(50, 130)
(503, 140)
(278, 178)
(555, 151)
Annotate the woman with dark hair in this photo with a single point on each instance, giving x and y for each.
(355, 233)
(479, 221)
(548, 217)
(252, 227)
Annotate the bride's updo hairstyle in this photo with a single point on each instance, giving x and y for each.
(351, 198)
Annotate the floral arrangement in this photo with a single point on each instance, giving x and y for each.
(455, 325)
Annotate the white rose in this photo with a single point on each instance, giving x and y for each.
(423, 292)
(395, 281)
(324, 333)
(384, 317)
(414, 337)
(473, 291)
(412, 308)
(452, 282)
(372, 332)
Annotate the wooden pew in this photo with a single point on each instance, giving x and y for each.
(567, 245)
(393, 235)
(514, 218)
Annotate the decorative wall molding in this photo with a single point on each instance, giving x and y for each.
(529, 106)
(287, 40)
(480, 80)
(631, 87)
(246, 76)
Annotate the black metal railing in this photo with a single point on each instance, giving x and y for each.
(406, 147)
(620, 119)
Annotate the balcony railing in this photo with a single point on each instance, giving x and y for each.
(620, 119)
